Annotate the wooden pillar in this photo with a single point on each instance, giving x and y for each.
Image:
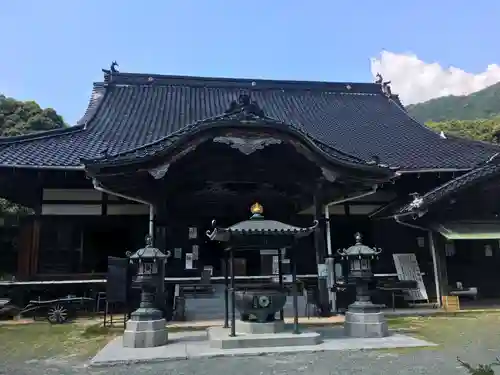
(435, 267)
(35, 247)
(226, 289)
(438, 245)
(104, 204)
(37, 227)
(295, 290)
(280, 278)
(28, 240)
(28, 248)
(320, 247)
(24, 244)
(233, 295)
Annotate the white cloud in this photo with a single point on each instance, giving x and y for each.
(416, 81)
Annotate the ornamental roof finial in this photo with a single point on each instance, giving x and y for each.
(386, 89)
(113, 67)
(109, 72)
(257, 210)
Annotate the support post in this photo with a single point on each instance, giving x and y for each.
(295, 292)
(331, 281)
(152, 222)
(280, 276)
(25, 249)
(436, 268)
(226, 289)
(319, 244)
(233, 301)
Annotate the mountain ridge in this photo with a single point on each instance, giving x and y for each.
(483, 104)
(475, 116)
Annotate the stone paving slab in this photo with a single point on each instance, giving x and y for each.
(191, 345)
(220, 338)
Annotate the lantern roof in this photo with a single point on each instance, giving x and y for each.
(359, 249)
(149, 252)
(257, 225)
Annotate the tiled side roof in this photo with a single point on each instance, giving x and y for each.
(473, 178)
(132, 110)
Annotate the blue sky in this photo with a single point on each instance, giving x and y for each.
(53, 50)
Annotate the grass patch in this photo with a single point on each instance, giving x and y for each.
(43, 341)
(451, 330)
(98, 330)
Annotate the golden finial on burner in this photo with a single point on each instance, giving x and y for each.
(257, 209)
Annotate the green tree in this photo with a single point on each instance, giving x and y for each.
(482, 129)
(19, 118)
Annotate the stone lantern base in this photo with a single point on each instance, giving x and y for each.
(364, 320)
(145, 329)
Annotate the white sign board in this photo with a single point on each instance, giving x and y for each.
(322, 271)
(275, 265)
(408, 269)
(193, 233)
(189, 261)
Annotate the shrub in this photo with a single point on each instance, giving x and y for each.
(480, 369)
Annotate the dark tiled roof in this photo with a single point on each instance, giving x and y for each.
(240, 116)
(476, 176)
(131, 110)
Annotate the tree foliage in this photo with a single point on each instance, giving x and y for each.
(18, 117)
(482, 129)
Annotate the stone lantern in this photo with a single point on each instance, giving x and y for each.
(147, 327)
(363, 318)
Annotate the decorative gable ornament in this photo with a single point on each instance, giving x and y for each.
(246, 106)
(416, 202)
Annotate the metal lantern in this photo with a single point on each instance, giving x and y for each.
(150, 263)
(360, 258)
(363, 318)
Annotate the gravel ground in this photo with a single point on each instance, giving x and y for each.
(475, 340)
(327, 363)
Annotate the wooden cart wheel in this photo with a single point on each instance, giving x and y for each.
(57, 314)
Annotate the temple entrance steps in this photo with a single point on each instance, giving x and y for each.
(212, 307)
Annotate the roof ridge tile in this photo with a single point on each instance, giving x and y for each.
(119, 78)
